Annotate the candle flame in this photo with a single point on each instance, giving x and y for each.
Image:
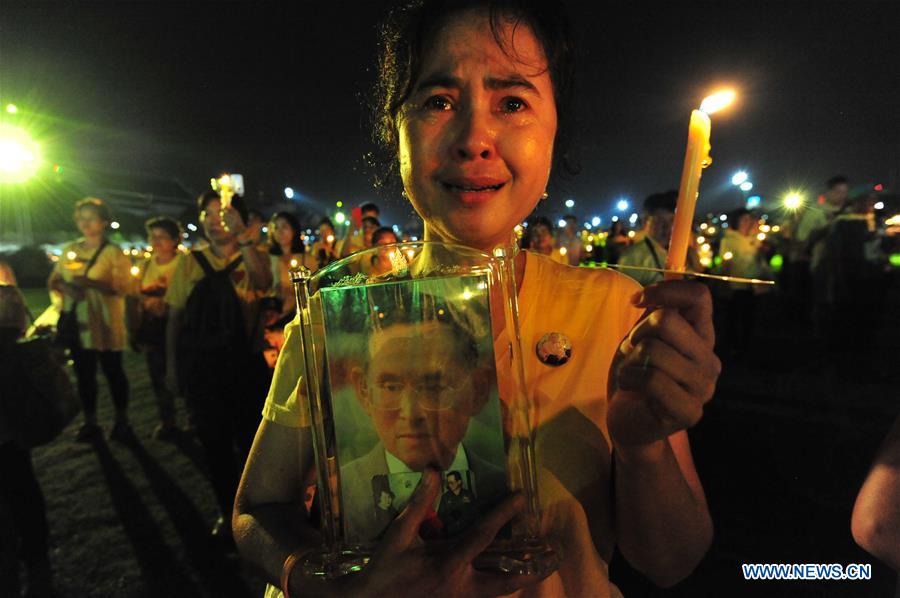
(717, 101)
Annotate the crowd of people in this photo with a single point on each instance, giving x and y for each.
(472, 108)
(207, 321)
(829, 262)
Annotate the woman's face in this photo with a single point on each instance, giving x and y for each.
(476, 134)
(284, 232)
(161, 242)
(387, 238)
(541, 239)
(90, 223)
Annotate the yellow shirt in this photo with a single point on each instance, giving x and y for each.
(101, 317)
(283, 288)
(592, 308)
(154, 276)
(189, 272)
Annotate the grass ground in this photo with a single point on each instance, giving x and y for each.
(133, 520)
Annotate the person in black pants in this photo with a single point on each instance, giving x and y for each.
(93, 276)
(214, 342)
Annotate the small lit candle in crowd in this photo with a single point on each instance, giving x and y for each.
(696, 158)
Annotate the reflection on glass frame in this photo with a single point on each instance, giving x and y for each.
(413, 385)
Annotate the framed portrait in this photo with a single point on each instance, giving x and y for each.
(413, 362)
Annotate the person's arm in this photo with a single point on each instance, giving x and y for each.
(270, 520)
(663, 525)
(259, 268)
(55, 282)
(663, 374)
(876, 515)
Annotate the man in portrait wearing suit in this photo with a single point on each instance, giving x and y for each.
(420, 387)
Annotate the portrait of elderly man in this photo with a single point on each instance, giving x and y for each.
(420, 383)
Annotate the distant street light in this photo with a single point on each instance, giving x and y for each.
(289, 193)
(19, 155)
(561, 223)
(746, 186)
(753, 202)
(739, 178)
(12, 108)
(622, 205)
(570, 203)
(596, 220)
(793, 201)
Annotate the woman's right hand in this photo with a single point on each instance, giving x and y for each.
(404, 564)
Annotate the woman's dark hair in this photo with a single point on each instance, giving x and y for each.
(327, 222)
(98, 206)
(384, 230)
(736, 215)
(297, 245)
(405, 37)
(167, 224)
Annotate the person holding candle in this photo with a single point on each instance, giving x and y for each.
(288, 251)
(325, 250)
(146, 314)
(381, 263)
(474, 108)
(93, 276)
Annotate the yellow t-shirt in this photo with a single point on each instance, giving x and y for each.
(592, 308)
(189, 272)
(154, 276)
(282, 287)
(101, 317)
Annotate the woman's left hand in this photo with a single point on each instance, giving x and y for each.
(665, 370)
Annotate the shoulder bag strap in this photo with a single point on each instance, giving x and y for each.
(652, 251)
(204, 263)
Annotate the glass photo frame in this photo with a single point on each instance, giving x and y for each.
(413, 360)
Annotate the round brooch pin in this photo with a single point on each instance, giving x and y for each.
(554, 349)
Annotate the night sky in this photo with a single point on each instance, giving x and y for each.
(279, 92)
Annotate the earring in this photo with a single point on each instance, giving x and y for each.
(544, 195)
